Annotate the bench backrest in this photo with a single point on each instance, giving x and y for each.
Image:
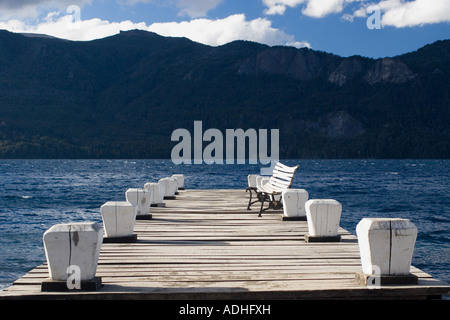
(282, 177)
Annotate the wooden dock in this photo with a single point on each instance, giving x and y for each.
(206, 245)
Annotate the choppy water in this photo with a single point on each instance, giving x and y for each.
(36, 194)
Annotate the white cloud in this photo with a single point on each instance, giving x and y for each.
(21, 9)
(322, 8)
(396, 13)
(402, 14)
(221, 31)
(206, 31)
(66, 27)
(280, 6)
(298, 44)
(311, 8)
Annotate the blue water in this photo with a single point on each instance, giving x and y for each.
(36, 194)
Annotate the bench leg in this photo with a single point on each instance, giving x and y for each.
(262, 197)
(277, 204)
(250, 200)
(261, 209)
(272, 203)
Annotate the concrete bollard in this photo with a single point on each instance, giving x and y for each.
(386, 248)
(164, 186)
(118, 221)
(162, 189)
(180, 180)
(157, 198)
(173, 187)
(294, 201)
(251, 179)
(176, 185)
(72, 251)
(141, 198)
(323, 217)
(170, 187)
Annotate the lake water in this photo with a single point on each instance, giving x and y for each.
(36, 194)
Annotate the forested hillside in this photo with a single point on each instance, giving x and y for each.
(123, 96)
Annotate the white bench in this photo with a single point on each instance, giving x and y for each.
(271, 191)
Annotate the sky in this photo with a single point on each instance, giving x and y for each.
(370, 28)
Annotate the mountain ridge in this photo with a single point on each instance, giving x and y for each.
(122, 97)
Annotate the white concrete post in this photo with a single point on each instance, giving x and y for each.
(180, 180)
(73, 244)
(156, 196)
(173, 187)
(294, 201)
(323, 217)
(141, 198)
(164, 185)
(176, 184)
(162, 190)
(386, 246)
(170, 187)
(118, 220)
(251, 178)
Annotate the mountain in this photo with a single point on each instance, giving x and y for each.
(124, 95)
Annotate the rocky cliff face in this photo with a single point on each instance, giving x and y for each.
(349, 69)
(388, 70)
(301, 64)
(305, 64)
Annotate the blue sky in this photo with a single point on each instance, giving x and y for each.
(335, 26)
